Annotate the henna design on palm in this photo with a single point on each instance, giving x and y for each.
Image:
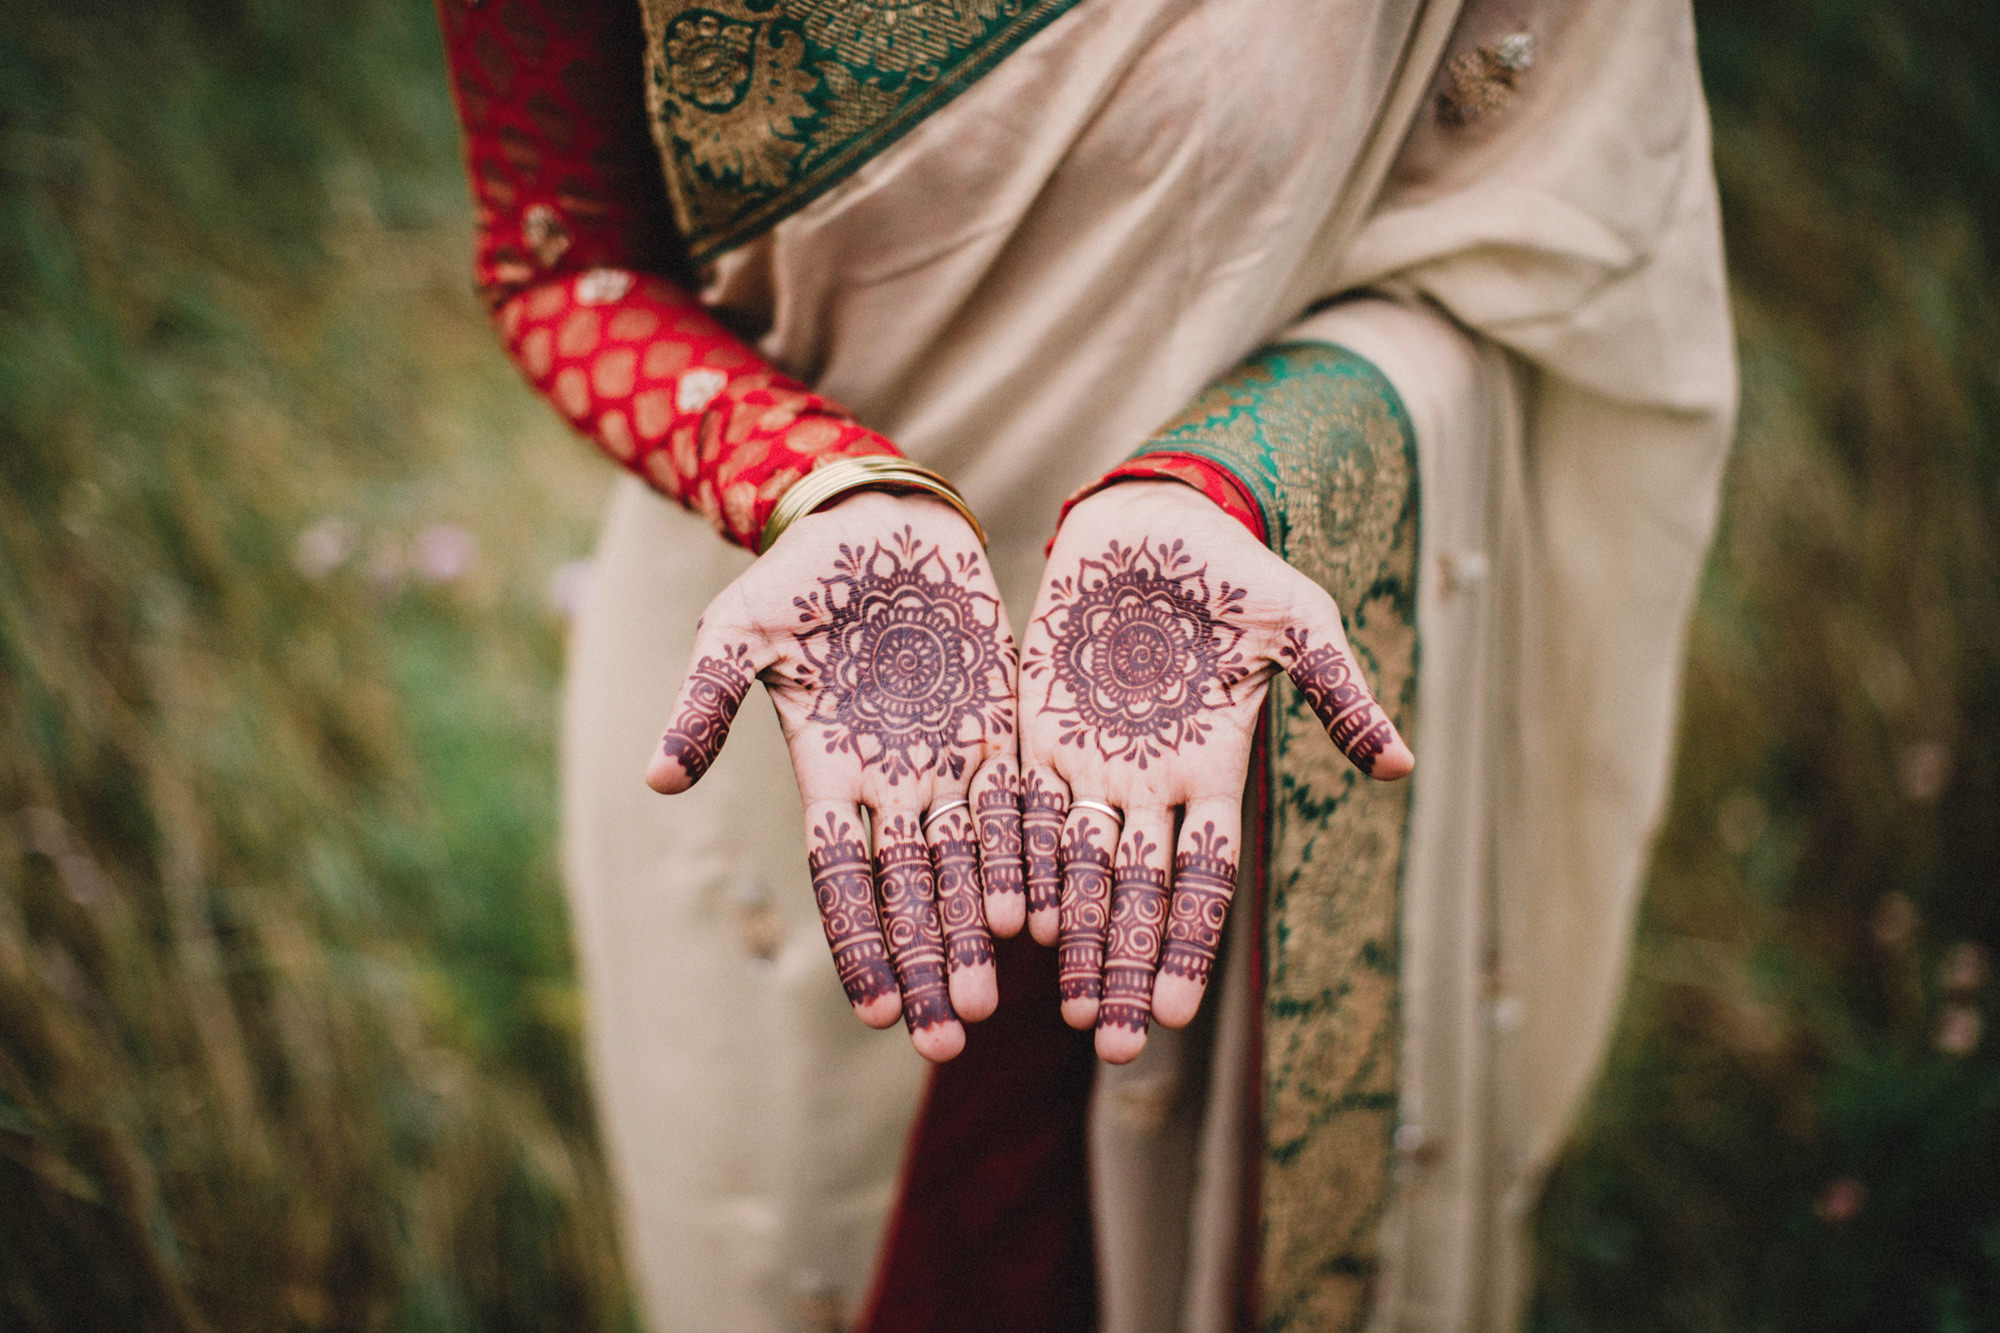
(903, 658)
(1138, 913)
(1204, 882)
(956, 857)
(1145, 666)
(909, 919)
(876, 627)
(714, 690)
(1141, 648)
(1086, 906)
(1327, 681)
(1041, 834)
(845, 890)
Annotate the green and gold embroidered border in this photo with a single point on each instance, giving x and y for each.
(761, 106)
(1327, 449)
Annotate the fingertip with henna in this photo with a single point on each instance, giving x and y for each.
(1117, 1045)
(1005, 915)
(975, 994)
(709, 698)
(1395, 762)
(880, 1011)
(938, 1042)
(1176, 1000)
(665, 773)
(1080, 1012)
(1332, 685)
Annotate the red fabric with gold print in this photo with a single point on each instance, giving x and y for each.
(578, 257)
(1205, 475)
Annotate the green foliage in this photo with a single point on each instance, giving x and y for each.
(1801, 1127)
(287, 1029)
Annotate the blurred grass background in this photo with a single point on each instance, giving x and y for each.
(288, 1032)
(288, 1035)
(1801, 1124)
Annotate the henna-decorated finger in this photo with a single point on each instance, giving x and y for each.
(843, 878)
(1329, 678)
(996, 803)
(721, 675)
(1088, 839)
(1204, 882)
(973, 984)
(1138, 923)
(1044, 798)
(916, 943)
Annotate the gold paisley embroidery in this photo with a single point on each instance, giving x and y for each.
(1325, 447)
(852, 107)
(1335, 494)
(1343, 456)
(913, 36)
(759, 106)
(730, 94)
(1221, 407)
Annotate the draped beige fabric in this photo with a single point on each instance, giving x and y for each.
(1018, 292)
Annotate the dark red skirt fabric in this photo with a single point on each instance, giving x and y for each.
(992, 1234)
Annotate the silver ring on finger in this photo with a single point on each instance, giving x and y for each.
(941, 810)
(1107, 811)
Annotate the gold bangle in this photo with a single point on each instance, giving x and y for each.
(835, 479)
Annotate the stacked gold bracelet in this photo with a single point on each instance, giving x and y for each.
(875, 472)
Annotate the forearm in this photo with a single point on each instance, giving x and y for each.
(578, 258)
(638, 366)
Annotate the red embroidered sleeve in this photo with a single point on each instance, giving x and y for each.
(1212, 479)
(579, 260)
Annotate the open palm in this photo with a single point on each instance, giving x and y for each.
(1158, 628)
(878, 630)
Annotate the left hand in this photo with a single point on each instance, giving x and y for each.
(1159, 625)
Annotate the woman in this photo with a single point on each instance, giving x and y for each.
(1334, 245)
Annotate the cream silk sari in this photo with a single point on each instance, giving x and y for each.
(1019, 289)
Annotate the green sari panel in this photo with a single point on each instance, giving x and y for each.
(1326, 448)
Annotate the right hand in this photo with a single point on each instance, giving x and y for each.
(876, 625)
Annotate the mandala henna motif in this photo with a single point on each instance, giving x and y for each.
(1086, 907)
(956, 858)
(1041, 835)
(1325, 677)
(905, 659)
(1140, 649)
(1204, 880)
(714, 691)
(909, 919)
(999, 810)
(1138, 912)
(845, 890)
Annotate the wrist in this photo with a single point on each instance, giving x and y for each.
(1206, 477)
(841, 478)
(640, 367)
(891, 507)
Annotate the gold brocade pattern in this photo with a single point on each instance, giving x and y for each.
(1325, 446)
(760, 106)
